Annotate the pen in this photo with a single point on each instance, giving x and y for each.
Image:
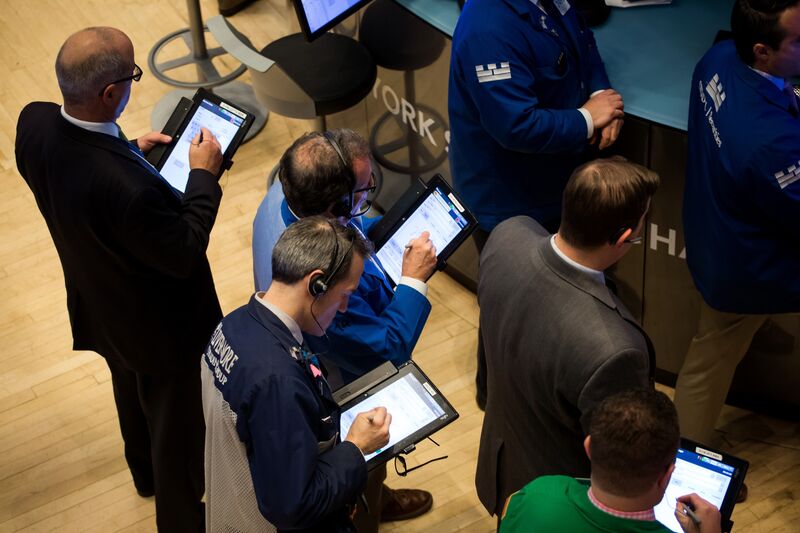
(688, 512)
(201, 137)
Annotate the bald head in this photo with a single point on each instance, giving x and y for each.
(89, 60)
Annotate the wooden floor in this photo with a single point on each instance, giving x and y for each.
(61, 462)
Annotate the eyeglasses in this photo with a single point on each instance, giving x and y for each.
(366, 205)
(136, 76)
(635, 240)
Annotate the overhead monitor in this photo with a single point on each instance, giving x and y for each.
(318, 16)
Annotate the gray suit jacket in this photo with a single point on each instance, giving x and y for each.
(557, 343)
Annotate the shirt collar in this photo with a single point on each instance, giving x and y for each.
(646, 515)
(109, 128)
(597, 274)
(288, 321)
(780, 83)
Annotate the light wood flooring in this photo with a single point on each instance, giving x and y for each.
(61, 462)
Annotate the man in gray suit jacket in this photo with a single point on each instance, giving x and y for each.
(557, 340)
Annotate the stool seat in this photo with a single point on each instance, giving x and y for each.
(335, 72)
(398, 39)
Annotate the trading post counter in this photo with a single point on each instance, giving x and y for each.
(649, 53)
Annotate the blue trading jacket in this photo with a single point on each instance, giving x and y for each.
(742, 196)
(517, 135)
(283, 415)
(379, 325)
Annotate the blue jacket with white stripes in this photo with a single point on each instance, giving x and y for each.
(517, 78)
(742, 196)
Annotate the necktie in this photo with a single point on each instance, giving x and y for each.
(788, 89)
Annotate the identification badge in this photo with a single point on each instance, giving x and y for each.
(562, 6)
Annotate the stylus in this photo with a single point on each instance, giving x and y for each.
(688, 512)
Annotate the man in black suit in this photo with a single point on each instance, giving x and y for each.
(557, 339)
(139, 287)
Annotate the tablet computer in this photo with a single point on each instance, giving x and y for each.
(713, 475)
(432, 207)
(417, 407)
(228, 122)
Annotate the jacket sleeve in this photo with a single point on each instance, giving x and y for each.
(296, 486)
(509, 108)
(627, 369)
(598, 78)
(361, 334)
(770, 187)
(169, 240)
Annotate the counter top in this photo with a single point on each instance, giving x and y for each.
(650, 52)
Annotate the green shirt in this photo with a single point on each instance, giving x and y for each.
(561, 503)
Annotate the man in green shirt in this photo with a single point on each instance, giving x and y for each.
(632, 442)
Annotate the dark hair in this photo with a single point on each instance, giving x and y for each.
(757, 22)
(634, 438)
(81, 80)
(311, 171)
(309, 245)
(602, 197)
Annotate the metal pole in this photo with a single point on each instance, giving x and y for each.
(196, 27)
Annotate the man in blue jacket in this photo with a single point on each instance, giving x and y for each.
(274, 456)
(528, 97)
(331, 174)
(742, 199)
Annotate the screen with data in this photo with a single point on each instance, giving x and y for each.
(412, 404)
(222, 120)
(707, 477)
(438, 215)
(319, 15)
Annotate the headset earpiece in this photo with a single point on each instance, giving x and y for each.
(317, 285)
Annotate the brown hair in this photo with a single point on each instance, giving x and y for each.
(634, 438)
(602, 198)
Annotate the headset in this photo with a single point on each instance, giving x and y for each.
(344, 206)
(619, 233)
(318, 284)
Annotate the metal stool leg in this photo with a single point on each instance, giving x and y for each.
(207, 74)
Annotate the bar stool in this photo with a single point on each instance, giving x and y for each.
(398, 40)
(306, 80)
(207, 74)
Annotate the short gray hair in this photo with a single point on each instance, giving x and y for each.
(82, 80)
(316, 243)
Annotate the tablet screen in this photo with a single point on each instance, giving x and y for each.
(707, 477)
(320, 12)
(410, 403)
(220, 119)
(438, 215)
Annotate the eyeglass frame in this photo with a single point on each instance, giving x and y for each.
(366, 205)
(136, 76)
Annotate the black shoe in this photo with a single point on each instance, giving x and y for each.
(228, 8)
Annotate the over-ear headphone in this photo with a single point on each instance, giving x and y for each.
(318, 284)
(344, 206)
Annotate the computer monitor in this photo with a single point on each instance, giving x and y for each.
(318, 16)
